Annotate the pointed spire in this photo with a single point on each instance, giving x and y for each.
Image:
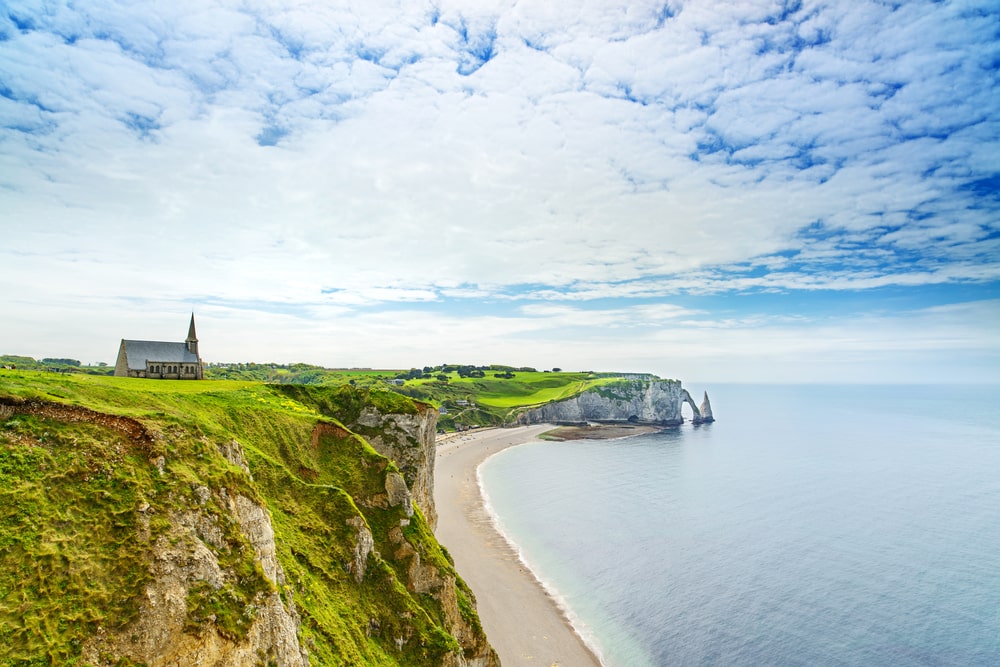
(192, 340)
(706, 409)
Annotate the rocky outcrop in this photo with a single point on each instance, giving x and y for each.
(399, 494)
(364, 544)
(188, 565)
(408, 441)
(640, 401)
(706, 410)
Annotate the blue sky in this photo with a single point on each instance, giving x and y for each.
(716, 191)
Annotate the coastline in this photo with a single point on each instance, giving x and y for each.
(523, 622)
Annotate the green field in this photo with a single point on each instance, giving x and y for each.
(523, 390)
(75, 551)
(484, 401)
(492, 400)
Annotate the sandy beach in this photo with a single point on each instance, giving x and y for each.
(523, 623)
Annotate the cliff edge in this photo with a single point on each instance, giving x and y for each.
(220, 524)
(401, 429)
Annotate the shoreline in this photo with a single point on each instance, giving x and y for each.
(523, 621)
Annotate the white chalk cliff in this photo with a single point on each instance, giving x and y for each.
(641, 401)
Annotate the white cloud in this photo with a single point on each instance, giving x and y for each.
(342, 154)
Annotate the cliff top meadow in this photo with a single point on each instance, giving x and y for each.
(485, 395)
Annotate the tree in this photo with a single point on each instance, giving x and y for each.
(63, 362)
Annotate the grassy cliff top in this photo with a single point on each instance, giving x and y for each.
(495, 397)
(85, 500)
(523, 389)
(480, 395)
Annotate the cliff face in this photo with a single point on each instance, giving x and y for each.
(178, 623)
(398, 428)
(408, 441)
(225, 529)
(643, 401)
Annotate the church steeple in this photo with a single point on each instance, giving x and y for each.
(192, 340)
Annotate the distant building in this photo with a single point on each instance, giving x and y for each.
(159, 360)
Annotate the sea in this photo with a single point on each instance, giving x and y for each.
(809, 525)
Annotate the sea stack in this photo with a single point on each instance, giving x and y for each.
(706, 410)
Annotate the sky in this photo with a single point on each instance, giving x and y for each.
(716, 191)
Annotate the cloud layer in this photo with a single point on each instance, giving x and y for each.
(313, 159)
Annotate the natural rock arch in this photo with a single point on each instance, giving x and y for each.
(696, 413)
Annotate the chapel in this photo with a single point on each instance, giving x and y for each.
(161, 360)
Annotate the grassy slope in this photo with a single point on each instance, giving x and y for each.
(71, 554)
(496, 399)
(528, 388)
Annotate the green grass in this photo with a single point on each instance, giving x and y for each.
(301, 374)
(73, 555)
(531, 389)
(498, 400)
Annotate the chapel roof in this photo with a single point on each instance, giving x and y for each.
(137, 352)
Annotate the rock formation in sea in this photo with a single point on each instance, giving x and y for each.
(706, 410)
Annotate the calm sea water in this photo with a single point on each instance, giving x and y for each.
(810, 525)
